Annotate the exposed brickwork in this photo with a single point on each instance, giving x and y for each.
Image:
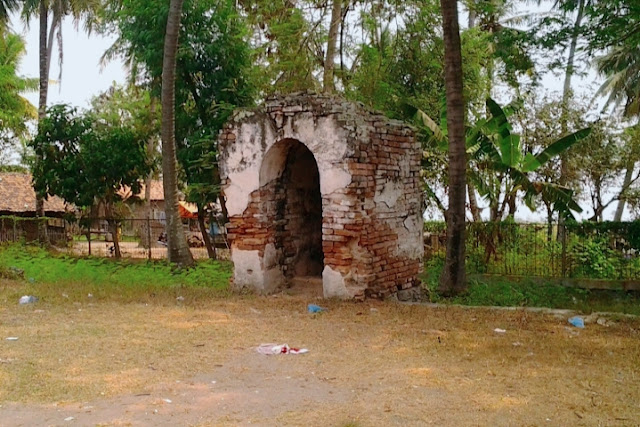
(370, 227)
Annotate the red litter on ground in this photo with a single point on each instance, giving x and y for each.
(271, 349)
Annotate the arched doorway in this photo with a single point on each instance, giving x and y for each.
(290, 179)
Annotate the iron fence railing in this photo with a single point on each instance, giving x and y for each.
(137, 238)
(609, 251)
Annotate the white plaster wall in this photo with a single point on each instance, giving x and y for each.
(333, 284)
(247, 270)
(254, 138)
(410, 243)
(322, 136)
(243, 162)
(328, 143)
(391, 192)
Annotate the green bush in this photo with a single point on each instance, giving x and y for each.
(596, 259)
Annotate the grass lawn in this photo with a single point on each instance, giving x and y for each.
(530, 293)
(56, 277)
(134, 354)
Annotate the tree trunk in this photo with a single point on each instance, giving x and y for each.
(148, 180)
(336, 15)
(452, 280)
(549, 207)
(473, 203)
(43, 61)
(569, 71)
(472, 14)
(42, 103)
(50, 40)
(512, 206)
(628, 176)
(177, 248)
(566, 94)
(113, 226)
(211, 250)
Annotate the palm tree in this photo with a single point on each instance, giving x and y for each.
(58, 8)
(79, 10)
(622, 68)
(6, 7)
(15, 111)
(177, 248)
(452, 280)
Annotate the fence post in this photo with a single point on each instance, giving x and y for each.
(15, 231)
(89, 237)
(149, 235)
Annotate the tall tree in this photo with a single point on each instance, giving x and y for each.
(88, 159)
(453, 279)
(214, 76)
(177, 247)
(15, 111)
(76, 8)
(6, 7)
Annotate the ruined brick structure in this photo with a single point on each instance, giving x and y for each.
(318, 186)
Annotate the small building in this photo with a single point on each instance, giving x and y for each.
(316, 186)
(137, 202)
(18, 199)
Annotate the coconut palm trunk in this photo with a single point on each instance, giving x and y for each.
(453, 280)
(177, 248)
(42, 101)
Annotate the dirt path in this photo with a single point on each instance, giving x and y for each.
(194, 363)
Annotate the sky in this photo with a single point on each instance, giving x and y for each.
(83, 76)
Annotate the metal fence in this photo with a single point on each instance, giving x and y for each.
(137, 238)
(608, 251)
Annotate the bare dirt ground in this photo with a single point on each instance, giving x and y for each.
(134, 250)
(170, 363)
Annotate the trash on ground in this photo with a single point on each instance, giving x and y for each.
(180, 298)
(602, 321)
(312, 308)
(12, 338)
(69, 419)
(271, 349)
(28, 299)
(167, 400)
(576, 321)
(500, 331)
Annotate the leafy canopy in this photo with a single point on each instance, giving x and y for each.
(84, 159)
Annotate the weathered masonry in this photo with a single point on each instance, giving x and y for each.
(318, 186)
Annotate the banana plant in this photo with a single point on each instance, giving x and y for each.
(500, 170)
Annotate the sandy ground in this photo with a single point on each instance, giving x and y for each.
(134, 250)
(175, 363)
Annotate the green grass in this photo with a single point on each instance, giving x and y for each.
(51, 275)
(529, 293)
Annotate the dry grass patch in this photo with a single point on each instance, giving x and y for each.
(369, 364)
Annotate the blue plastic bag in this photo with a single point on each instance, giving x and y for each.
(312, 308)
(577, 321)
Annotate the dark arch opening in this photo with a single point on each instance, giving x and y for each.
(290, 173)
